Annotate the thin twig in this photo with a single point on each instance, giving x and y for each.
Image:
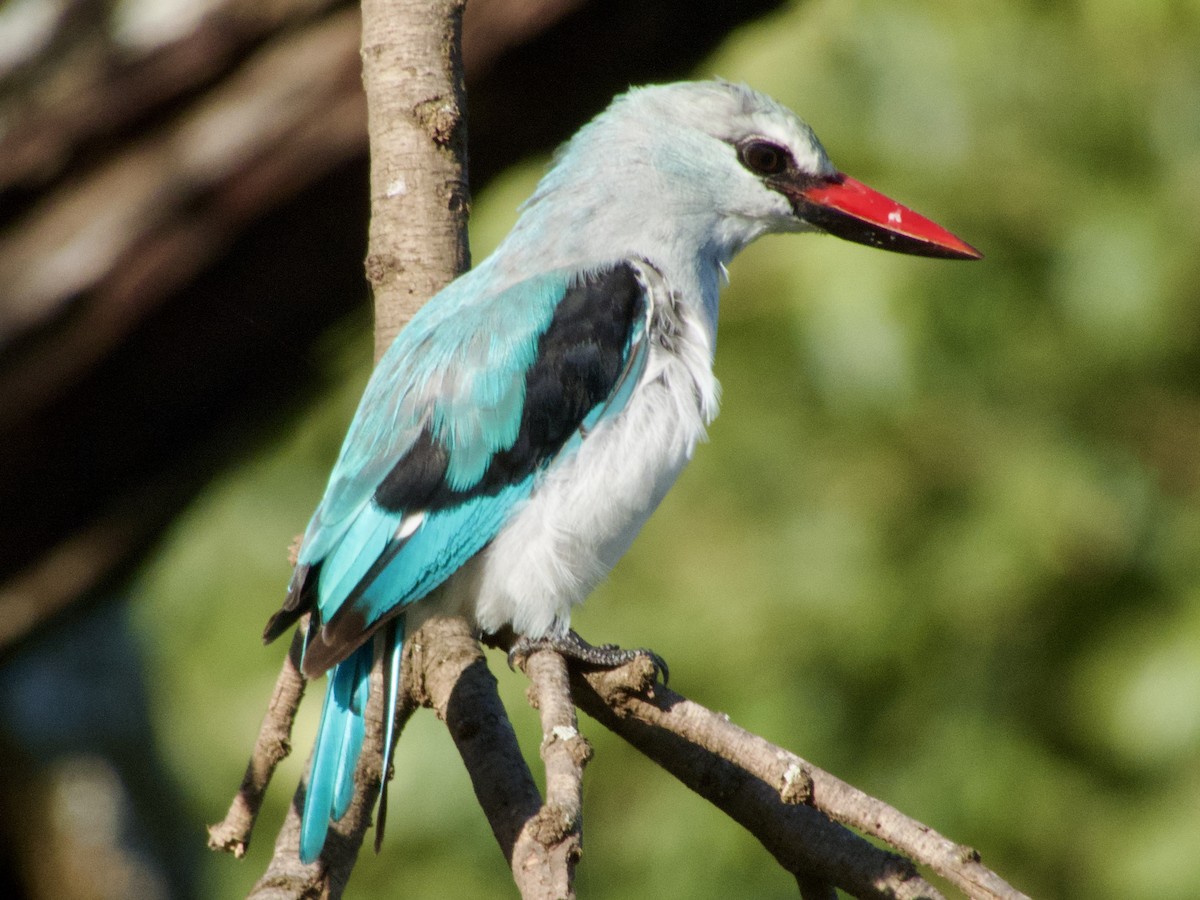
(273, 745)
(679, 736)
(957, 863)
(541, 841)
(786, 802)
(451, 676)
(758, 783)
(557, 829)
(286, 876)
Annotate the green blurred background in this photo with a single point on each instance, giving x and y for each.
(943, 539)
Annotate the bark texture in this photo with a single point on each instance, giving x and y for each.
(416, 105)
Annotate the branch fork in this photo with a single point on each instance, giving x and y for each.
(793, 807)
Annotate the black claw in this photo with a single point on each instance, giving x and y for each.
(661, 665)
(605, 656)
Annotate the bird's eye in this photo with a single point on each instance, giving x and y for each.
(764, 158)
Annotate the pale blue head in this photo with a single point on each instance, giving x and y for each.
(710, 166)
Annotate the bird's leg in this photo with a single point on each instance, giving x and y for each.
(572, 646)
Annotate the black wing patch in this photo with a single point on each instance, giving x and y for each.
(579, 361)
(580, 358)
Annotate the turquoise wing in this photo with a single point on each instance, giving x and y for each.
(476, 397)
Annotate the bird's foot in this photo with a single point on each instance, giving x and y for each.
(572, 646)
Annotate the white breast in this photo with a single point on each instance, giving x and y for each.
(588, 507)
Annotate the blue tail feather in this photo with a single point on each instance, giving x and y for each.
(395, 642)
(396, 648)
(340, 738)
(339, 741)
(350, 748)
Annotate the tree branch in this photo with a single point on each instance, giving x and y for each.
(413, 78)
(790, 805)
(416, 122)
(286, 876)
(557, 831)
(786, 802)
(451, 676)
(272, 747)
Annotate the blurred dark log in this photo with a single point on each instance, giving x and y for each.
(181, 221)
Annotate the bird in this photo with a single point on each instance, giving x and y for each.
(532, 414)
